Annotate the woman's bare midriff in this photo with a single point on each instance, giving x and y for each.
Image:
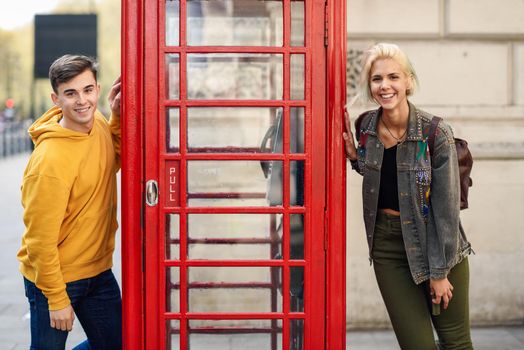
(390, 211)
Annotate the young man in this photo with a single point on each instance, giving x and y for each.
(69, 197)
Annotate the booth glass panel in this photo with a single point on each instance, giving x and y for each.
(297, 23)
(234, 289)
(232, 183)
(297, 77)
(172, 237)
(296, 133)
(296, 334)
(234, 76)
(233, 129)
(234, 236)
(296, 236)
(296, 182)
(234, 23)
(219, 334)
(172, 72)
(173, 334)
(296, 288)
(172, 130)
(172, 22)
(173, 289)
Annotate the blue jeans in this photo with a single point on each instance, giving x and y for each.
(98, 306)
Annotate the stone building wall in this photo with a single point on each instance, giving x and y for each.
(469, 56)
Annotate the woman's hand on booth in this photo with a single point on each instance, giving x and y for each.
(351, 150)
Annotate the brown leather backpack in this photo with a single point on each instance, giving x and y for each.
(465, 161)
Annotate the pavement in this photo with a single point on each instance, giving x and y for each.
(14, 317)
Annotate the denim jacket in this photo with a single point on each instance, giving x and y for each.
(429, 193)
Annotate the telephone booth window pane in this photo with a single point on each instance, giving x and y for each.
(233, 129)
(173, 130)
(296, 288)
(297, 23)
(219, 335)
(173, 76)
(233, 183)
(296, 183)
(172, 22)
(234, 289)
(234, 23)
(296, 334)
(297, 77)
(172, 236)
(234, 76)
(173, 335)
(234, 236)
(296, 236)
(172, 289)
(296, 125)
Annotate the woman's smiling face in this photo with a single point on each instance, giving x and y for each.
(389, 83)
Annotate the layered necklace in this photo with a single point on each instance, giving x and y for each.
(399, 139)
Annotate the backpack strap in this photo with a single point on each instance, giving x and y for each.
(432, 131)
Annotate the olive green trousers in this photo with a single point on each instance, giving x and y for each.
(408, 304)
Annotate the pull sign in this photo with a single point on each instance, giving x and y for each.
(151, 193)
(172, 183)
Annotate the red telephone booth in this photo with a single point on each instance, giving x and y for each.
(233, 174)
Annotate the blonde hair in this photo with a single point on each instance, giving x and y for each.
(381, 51)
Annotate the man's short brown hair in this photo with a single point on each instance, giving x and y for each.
(67, 67)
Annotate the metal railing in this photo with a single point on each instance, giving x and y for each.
(14, 138)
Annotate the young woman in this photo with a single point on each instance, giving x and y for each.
(411, 207)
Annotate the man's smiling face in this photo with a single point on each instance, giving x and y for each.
(78, 99)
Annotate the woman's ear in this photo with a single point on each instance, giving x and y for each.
(409, 89)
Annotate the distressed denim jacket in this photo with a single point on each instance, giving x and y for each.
(429, 193)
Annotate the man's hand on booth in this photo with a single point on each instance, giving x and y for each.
(114, 97)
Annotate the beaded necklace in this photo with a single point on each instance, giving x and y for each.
(399, 139)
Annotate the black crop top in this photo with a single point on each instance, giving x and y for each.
(388, 194)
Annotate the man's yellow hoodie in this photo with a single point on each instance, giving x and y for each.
(69, 198)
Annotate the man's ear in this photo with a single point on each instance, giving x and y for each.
(54, 98)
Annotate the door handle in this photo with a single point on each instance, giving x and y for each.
(151, 193)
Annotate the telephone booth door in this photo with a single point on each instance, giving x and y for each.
(229, 156)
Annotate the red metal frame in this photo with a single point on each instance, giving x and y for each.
(336, 185)
(143, 262)
(132, 175)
